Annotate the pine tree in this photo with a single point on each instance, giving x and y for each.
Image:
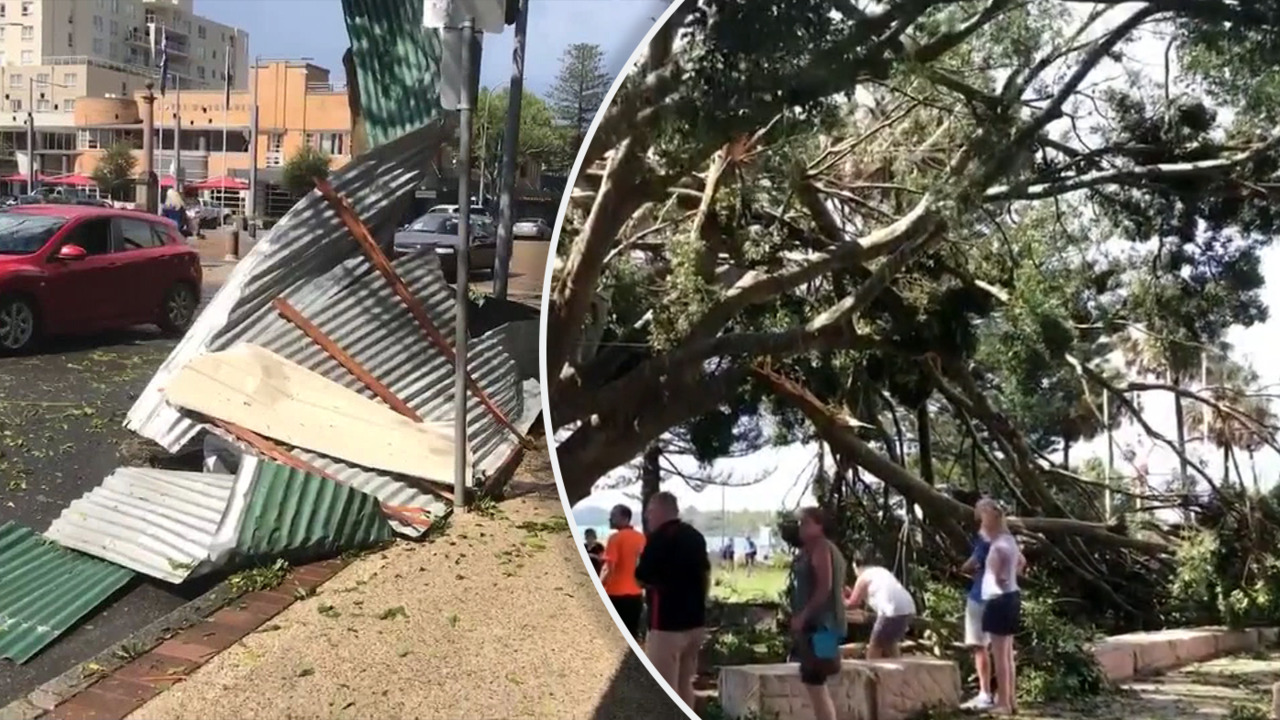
(580, 88)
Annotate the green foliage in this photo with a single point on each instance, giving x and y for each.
(579, 88)
(1055, 661)
(747, 646)
(540, 138)
(115, 170)
(1228, 570)
(303, 167)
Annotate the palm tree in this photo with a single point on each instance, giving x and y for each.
(1231, 385)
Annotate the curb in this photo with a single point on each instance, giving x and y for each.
(133, 671)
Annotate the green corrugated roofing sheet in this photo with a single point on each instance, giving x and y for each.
(397, 66)
(45, 589)
(300, 516)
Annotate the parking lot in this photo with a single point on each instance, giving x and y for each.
(61, 434)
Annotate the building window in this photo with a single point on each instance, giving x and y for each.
(69, 104)
(200, 70)
(28, 7)
(28, 57)
(71, 40)
(42, 105)
(15, 80)
(200, 52)
(115, 28)
(70, 78)
(15, 105)
(87, 139)
(115, 6)
(28, 32)
(200, 32)
(215, 54)
(115, 49)
(97, 23)
(42, 79)
(98, 46)
(2, 9)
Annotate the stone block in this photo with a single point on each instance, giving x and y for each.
(1268, 637)
(1238, 641)
(1153, 652)
(1194, 645)
(864, 690)
(1117, 660)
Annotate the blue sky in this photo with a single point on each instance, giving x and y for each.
(314, 28)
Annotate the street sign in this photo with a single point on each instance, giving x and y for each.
(489, 15)
(451, 72)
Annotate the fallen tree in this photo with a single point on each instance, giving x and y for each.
(960, 249)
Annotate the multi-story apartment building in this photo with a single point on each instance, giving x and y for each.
(55, 51)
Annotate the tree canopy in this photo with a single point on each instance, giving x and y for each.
(579, 89)
(115, 170)
(949, 240)
(303, 167)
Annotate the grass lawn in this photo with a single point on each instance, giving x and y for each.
(763, 583)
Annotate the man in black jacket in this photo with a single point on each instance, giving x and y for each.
(676, 574)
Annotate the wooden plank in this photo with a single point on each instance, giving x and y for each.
(254, 388)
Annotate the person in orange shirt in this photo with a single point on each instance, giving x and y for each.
(621, 554)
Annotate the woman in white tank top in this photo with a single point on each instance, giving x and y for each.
(1002, 611)
(892, 604)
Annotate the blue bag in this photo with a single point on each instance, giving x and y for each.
(826, 644)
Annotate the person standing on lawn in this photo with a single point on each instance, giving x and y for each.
(818, 622)
(595, 550)
(618, 576)
(676, 572)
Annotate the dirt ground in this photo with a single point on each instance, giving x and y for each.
(496, 617)
(1235, 688)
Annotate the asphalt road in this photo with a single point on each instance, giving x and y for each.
(61, 434)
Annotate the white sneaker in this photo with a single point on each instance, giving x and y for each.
(981, 702)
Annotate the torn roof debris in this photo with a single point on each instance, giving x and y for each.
(46, 588)
(330, 324)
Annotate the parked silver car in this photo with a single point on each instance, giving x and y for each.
(535, 228)
(439, 232)
(205, 214)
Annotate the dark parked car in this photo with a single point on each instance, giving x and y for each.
(439, 232)
(79, 269)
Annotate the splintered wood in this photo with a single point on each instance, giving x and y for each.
(380, 262)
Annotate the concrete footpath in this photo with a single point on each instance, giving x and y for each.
(494, 617)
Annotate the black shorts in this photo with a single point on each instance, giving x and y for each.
(1002, 615)
(630, 608)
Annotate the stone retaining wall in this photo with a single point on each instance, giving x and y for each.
(898, 689)
(864, 690)
(1124, 657)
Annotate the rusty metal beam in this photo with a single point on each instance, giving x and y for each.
(379, 260)
(335, 351)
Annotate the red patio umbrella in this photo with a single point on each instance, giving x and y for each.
(220, 183)
(22, 178)
(167, 181)
(72, 179)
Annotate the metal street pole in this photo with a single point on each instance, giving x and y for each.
(148, 149)
(177, 133)
(251, 205)
(465, 111)
(31, 136)
(510, 146)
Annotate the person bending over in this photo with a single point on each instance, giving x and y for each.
(892, 604)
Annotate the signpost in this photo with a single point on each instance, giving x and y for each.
(461, 23)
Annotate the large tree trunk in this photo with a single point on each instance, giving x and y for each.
(926, 444)
(650, 478)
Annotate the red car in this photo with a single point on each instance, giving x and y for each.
(78, 269)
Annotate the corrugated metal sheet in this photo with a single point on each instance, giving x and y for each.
(45, 589)
(398, 66)
(165, 524)
(307, 244)
(300, 516)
